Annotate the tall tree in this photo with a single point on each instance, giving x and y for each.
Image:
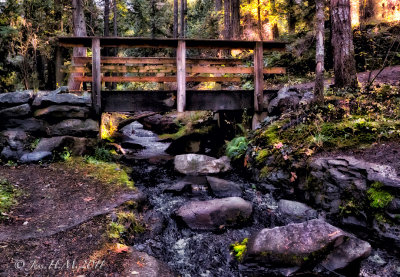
(259, 25)
(176, 14)
(218, 5)
(227, 19)
(183, 18)
(291, 16)
(342, 43)
(79, 26)
(367, 9)
(106, 18)
(320, 48)
(235, 18)
(115, 18)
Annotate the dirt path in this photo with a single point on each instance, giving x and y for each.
(60, 224)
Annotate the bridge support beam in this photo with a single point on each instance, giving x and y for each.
(181, 75)
(96, 76)
(259, 115)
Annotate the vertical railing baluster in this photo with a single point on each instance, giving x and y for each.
(181, 75)
(96, 75)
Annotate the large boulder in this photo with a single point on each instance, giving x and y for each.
(215, 214)
(77, 146)
(310, 242)
(9, 154)
(62, 111)
(223, 188)
(15, 98)
(190, 143)
(287, 99)
(17, 111)
(195, 164)
(296, 211)
(30, 125)
(194, 185)
(61, 97)
(160, 124)
(75, 127)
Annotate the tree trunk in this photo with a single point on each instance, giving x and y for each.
(218, 5)
(79, 31)
(291, 17)
(319, 58)
(176, 15)
(235, 18)
(344, 63)
(115, 19)
(227, 19)
(259, 25)
(183, 18)
(367, 9)
(106, 18)
(275, 31)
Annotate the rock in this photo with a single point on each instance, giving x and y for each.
(160, 124)
(30, 125)
(216, 213)
(16, 139)
(195, 164)
(296, 211)
(350, 251)
(307, 99)
(8, 154)
(142, 265)
(75, 127)
(189, 184)
(288, 98)
(35, 157)
(191, 143)
(77, 146)
(129, 144)
(15, 98)
(62, 97)
(294, 244)
(222, 188)
(394, 206)
(63, 111)
(15, 112)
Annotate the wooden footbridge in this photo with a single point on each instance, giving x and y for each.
(181, 69)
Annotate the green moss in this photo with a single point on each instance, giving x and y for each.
(8, 196)
(379, 198)
(265, 171)
(262, 156)
(107, 172)
(239, 249)
(126, 225)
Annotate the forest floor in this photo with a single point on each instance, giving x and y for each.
(59, 226)
(390, 75)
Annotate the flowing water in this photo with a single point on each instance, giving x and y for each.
(194, 253)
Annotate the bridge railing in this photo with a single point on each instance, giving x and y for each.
(180, 69)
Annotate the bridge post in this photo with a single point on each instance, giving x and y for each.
(96, 76)
(258, 84)
(181, 75)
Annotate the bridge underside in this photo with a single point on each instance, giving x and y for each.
(163, 101)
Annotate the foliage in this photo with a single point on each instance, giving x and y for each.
(379, 198)
(126, 224)
(237, 147)
(66, 154)
(8, 195)
(239, 249)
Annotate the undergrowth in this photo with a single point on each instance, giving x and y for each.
(8, 196)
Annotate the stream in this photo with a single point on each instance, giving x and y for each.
(203, 253)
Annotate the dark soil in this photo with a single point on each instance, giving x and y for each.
(60, 219)
(387, 153)
(55, 199)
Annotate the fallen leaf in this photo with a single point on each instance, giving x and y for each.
(119, 248)
(88, 199)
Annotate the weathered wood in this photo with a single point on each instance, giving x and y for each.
(172, 69)
(258, 77)
(181, 75)
(167, 79)
(96, 76)
(161, 101)
(158, 60)
(129, 42)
